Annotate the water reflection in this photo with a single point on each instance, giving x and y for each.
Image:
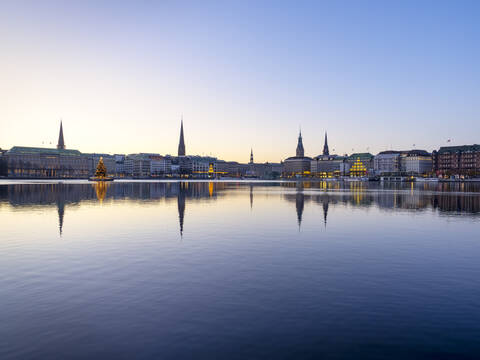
(100, 190)
(325, 211)
(61, 214)
(181, 206)
(257, 261)
(445, 198)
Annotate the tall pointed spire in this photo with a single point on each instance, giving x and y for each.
(325, 146)
(61, 142)
(300, 151)
(181, 144)
(251, 156)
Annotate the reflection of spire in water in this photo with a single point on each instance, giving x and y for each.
(325, 212)
(299, 202)
(251, 196)
(61, 213)
(181, 206)
(210, 189)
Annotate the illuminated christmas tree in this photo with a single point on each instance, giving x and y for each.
(101, 171)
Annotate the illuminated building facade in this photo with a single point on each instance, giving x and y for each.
(358, 169)
(365, 158)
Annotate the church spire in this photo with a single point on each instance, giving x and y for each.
(181, 144)
(300, 151)
(325, 146)
(61, 142)
(251, 156)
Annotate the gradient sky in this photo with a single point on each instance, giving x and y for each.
(374, 74)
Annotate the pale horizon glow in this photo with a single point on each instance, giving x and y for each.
(375, 75)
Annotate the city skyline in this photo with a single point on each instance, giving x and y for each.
(120, 76)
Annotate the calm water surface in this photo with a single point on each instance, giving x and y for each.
(199, 270)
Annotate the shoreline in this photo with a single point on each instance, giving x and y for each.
(59, 180)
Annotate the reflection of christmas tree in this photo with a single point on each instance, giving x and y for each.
(101, 171)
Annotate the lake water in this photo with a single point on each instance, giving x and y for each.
(230, 270)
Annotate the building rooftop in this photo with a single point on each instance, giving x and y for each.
(47, 151)
(360, 155)
(405, 152)
(418, 152)
(298, 158)
(448, 149)
(329, 157)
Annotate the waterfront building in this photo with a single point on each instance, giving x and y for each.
(358, 169)
(406, 162)
(268, 170)
(366, 159)
(184, 165)
(271, 170)
(137, 165)
(119, 165)
(3, 163)
(461, 160)
(203, 166)
(231, 168)
(160, 165)
(327, 166)
(387, 162)
(32, 162)
(299, 165)
(417, 162)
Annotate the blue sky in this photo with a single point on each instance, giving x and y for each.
(374, 74)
